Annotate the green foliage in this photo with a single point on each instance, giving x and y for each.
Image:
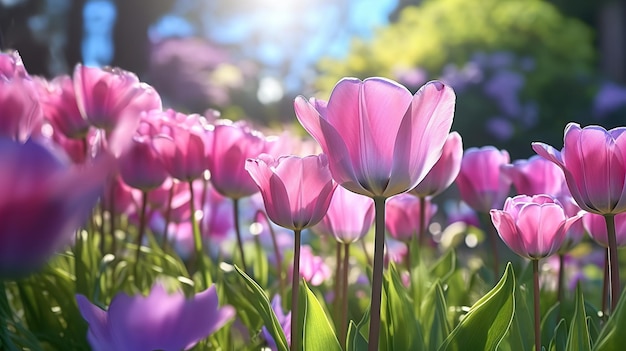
(317, 334)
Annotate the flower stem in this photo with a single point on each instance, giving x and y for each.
(168, 218)
(238, 232)
(377, 274)
(142, 228)
(197, 238)
(279, 259)
(295, 284)
(344, 295)
(559, 290)
(536, 303)
(613, 262)
(338, 289)
(422, 228)
(605, 282)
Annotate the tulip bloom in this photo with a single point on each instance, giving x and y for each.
(159, 321)
(403, 216)
(58, 101)
(445, 171)
(534, 176)
(229, 146)
(43, 202)
(481, 182)
(296, 191)
(595, 225)
(533, 227)
(349, 216)
(380, 140)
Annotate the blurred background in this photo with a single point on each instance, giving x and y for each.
(522, 69)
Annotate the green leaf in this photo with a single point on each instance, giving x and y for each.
(578, 338)
(559, 340)
(403, 328)
(434, 312)
(518, 337)
(355, 340)
(259, 301)
(489, 319)
(612, 336)
(444, 267)
(318, 334)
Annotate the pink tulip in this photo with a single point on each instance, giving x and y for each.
(313, 269)
(481, 182)
(140, 166)
(403, 216)
(595, 225)
(594, 163)
(576, 231)
(43, 203)
(350, 216)
(380, 140)
(20, 111)
(296, 191)
(535, 176)
(110, 96)
(159, 321)
(181, 145)
(532, 227)
(445, 171)
(230, 145)
(58, 101)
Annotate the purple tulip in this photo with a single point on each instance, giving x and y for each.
(532, 227)
(380, 140)
(44, 201)
(535, 176)
(296, 191)
(594, 163)
(159, 321)
(349, 216)
(445, 171)
(403, 216)
(481, 183)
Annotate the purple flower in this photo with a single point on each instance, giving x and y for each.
(283, 319)
(159, 321)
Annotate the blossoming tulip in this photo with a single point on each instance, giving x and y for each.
(533, 227)
(44, 201)
(534, 176)
(140, 166)
(380, 140)
(445, 171)
(403, 216)
(20, 110)
(58, 101)
(595, 225)
(349, 216)
(159, 321)
(313, 269)
(481, 182)
(296, 191)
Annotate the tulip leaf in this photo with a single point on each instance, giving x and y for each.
(404, 330)
(355, 340)
(612, 336)
(434, 312)
(488, 320)
(317, 333)
(259, 301)
(518, 337)
(444, 267)
(559, 340)
(578, 338)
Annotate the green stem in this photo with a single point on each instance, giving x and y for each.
(536, 303)
(605, 282)
(613, 261)
(168, 218)
(238, 232)
(197, 238)
(295, 283)
(377, 274)
(344, 294)
(142, 227)
(559, 290)
(338, 274)
(279, 259)
(422, 228)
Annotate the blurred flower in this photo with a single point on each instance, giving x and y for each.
(296, 191)
(402, 218)
(20, 111)
(609, 98)
(481, 183)
(283, 319)
(532, 227)
(349, 216)
(313, 269)
(595, 225)
(44, 202)
(159, 321)
(140, 166)
(58, 101)
(594, 165)
(380, 140)
(534, 176)
(229, 145)
(445, 171)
